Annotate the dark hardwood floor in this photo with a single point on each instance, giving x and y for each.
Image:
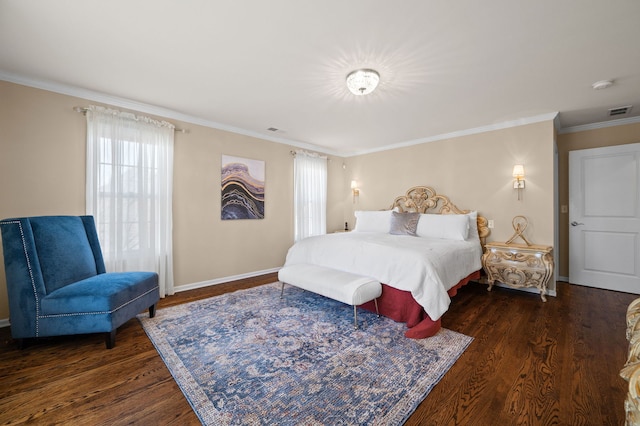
(531, 363)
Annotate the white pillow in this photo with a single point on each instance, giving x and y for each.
(444, 226)
(373, 221)
(474, 235)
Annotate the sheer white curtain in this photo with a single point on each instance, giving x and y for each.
(310, 195)
(129, 191)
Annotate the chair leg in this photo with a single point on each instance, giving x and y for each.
(282, 290)
(22, 343)
(377, 311)
(110, 339)
(152, 311)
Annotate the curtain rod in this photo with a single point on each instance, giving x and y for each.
(309, 153)
(83, 111)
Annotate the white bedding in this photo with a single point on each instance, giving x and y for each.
(427, 267)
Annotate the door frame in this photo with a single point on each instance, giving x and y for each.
(604, 150)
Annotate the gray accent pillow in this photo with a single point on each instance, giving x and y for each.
(404, 223)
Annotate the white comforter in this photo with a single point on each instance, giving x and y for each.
(427, 267)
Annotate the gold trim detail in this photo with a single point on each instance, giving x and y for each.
(423, 199)
(631, 370)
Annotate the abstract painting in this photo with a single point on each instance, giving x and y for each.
(242, 188)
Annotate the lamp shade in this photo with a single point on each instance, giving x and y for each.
(518, 171)
(362, 82)
(354, 184)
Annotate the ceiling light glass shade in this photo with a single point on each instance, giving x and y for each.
(362, 82)
(602, 84)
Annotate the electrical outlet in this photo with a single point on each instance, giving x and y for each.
(490, 223)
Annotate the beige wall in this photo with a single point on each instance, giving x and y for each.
(42, 167)
(475, 172)
(608, 136)
(206, 247)
(41, 158)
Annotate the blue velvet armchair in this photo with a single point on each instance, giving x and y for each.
(57, 283)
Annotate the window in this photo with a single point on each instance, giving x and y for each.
(129, 191)
(310, 195)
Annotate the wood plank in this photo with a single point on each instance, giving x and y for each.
(530, 363)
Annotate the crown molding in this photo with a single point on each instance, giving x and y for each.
(600, 125)
(119, 102)
(472, 131)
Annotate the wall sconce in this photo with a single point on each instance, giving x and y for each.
(355, 190)
(518, 174)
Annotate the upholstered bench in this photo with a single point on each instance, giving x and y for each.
(342, 286)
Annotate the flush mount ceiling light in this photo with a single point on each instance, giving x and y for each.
(602, 84)
(362, 82)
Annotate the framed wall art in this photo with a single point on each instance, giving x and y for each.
(242, 188)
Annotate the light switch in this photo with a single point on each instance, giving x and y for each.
(490, 223)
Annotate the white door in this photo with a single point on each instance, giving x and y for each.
(604, 217)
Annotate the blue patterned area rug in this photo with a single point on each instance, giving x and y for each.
(252, 358)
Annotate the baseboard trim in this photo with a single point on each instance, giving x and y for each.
(192, 286)
(223, 280)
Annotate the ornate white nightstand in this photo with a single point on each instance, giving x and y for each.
(519, 265)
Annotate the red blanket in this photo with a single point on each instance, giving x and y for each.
(400, 306)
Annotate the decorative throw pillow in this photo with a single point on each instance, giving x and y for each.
(404, 223)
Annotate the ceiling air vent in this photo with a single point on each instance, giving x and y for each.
(620, 110)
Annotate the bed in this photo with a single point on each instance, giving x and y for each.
(422, 249)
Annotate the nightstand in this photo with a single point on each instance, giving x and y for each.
(519, 265)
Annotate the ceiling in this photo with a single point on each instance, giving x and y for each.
(445, 67)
